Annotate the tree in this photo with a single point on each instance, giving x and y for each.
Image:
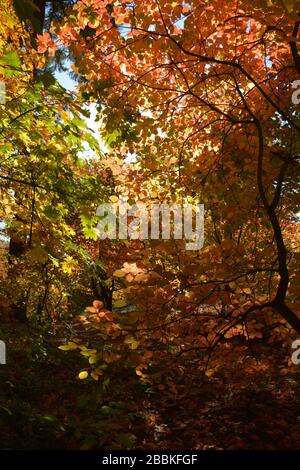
(46, 182)
(214, 78)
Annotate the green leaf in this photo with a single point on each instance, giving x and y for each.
(11, 59)
(126, 440)
(47, 78)
(91, 233)
(49, 418)
(106, 410)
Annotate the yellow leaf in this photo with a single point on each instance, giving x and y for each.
(119, 273)
(247, 291)
(91, 310)
(93, 359)
(120, 303)
(209, 372)
(132, 342)
(88, 352)
(68, 347)
(83, 375)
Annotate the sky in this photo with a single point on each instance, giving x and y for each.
(67, 82)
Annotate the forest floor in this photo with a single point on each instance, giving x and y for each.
(43, 405)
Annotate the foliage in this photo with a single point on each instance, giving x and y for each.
(199, 95)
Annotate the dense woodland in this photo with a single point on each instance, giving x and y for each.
(143, 344)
